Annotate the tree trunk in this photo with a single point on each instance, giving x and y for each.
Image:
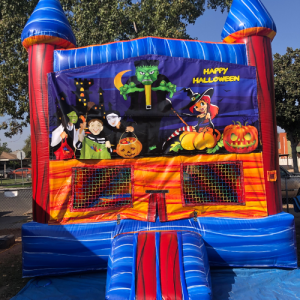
(294, 142)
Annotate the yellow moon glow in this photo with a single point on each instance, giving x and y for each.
(118, 79)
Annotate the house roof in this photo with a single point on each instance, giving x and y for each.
(9, 156)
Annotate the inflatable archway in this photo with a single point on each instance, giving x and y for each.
(154, 157)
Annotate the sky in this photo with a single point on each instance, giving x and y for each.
(209, 27)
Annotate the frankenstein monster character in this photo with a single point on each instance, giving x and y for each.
(148, 91)
(147, 73)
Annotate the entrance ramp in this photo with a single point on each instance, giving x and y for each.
(158, 265)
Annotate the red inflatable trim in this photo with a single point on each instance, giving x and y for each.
(260, 56)
(146, 267)
(157, 201)
(259, 31)
(39, 64)
(47, 39)
(169, 266)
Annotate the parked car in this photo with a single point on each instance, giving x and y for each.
(9, 170)
(25, 172)
(292, 181)
(6, 173)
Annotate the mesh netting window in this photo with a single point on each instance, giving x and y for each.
(212, 183)
(103, 188)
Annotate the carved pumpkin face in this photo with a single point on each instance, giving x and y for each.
(199, 140)
(240, 139)
(129, 147)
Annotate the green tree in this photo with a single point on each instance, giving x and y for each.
(27, 147)
(287, 96)
(93, 22)
(13, 65)
(4, 148)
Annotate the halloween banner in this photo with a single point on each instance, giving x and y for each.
(152, 106)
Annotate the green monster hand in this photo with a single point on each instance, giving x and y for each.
(166, 87)
(129, 88)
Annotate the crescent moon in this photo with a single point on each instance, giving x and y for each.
(118, 79)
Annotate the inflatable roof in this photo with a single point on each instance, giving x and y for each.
(248, 17)
(48, 24)
(98, 54)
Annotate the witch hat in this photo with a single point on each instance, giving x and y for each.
(112, 111)
(95, 112)
(65, 108)
(206, 97)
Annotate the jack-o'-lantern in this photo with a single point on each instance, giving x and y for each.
(240, 139)
(205, 138)
(129, 147)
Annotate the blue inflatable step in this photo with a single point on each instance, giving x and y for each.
(158, 265)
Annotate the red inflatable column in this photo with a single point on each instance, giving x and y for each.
(260, 56)
(39, 64)
(46, 29)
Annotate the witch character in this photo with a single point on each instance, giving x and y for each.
(201, 108)
(201, 105)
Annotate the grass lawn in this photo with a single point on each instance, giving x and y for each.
(8, 183)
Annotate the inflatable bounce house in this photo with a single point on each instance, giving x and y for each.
(154, 158)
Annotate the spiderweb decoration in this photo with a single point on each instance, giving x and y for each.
(213, 183)
(101, 188)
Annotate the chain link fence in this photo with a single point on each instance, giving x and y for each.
(16, 197)
(15, 205)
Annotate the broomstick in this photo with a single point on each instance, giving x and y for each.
(176, 113)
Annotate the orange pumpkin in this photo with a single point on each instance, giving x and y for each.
(186, 140)
(240, 139)
(129, 147)
(199, 140)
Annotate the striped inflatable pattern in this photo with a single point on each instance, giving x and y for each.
(92, 55)
(48, 24)
(163, 173)
(65, 249)
(158, 265)
(235, 242)
(120, 267)
(196, 266)
(246, 18)
(264, 242)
